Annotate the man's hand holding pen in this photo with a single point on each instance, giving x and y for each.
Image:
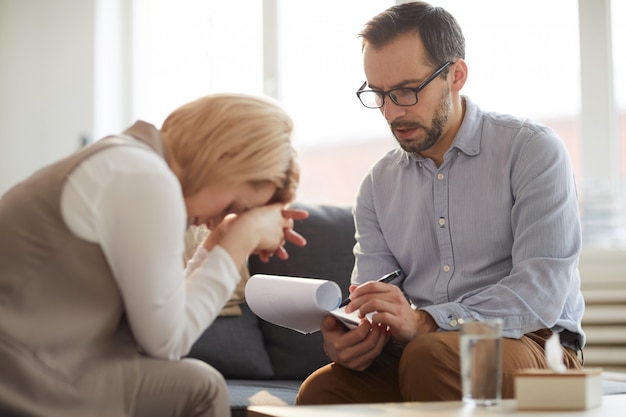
(357, 348)
(393, 317)
(390, 307)
(384, 279)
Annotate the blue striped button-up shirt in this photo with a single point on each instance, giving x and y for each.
(493, 232)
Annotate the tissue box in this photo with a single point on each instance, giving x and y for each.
(544, 389)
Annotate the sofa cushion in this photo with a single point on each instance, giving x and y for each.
(234, 346)
(329, 231)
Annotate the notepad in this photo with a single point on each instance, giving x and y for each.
(297, 303)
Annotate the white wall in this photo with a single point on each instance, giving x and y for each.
(46, 82)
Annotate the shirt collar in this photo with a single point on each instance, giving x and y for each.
(467, 139)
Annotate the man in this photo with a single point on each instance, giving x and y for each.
(477, 209)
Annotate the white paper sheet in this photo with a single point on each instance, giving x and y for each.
(296, 303)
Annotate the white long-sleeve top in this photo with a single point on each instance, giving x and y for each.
(128, 201)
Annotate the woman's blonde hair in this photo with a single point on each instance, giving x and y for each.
(233, 139)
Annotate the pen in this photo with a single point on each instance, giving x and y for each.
(385, 279)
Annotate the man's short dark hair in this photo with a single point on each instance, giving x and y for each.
(438, 29)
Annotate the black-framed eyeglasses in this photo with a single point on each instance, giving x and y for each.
(375, 99)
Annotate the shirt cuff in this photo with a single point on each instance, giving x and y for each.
(448, 316)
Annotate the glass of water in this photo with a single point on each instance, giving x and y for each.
(481, 361)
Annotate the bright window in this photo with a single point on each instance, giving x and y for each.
(532, 73)
(618, 14)
(188, 48)
(527, 62)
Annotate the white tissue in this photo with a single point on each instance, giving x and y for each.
(554, 354)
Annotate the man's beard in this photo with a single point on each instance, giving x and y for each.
(432, 134)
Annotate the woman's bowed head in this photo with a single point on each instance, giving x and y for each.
(238, 171)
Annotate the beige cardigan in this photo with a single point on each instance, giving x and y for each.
(65, 346)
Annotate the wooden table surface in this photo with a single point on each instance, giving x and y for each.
(612, 406)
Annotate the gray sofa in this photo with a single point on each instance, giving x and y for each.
(264, 364)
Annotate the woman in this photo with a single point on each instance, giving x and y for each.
(95, 307)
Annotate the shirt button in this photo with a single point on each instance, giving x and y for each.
(440, 176)
(442, 221)
(446, 268)
(453, 323)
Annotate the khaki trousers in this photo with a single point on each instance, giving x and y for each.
(427, 369)
(181, 388)
(161, 388)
